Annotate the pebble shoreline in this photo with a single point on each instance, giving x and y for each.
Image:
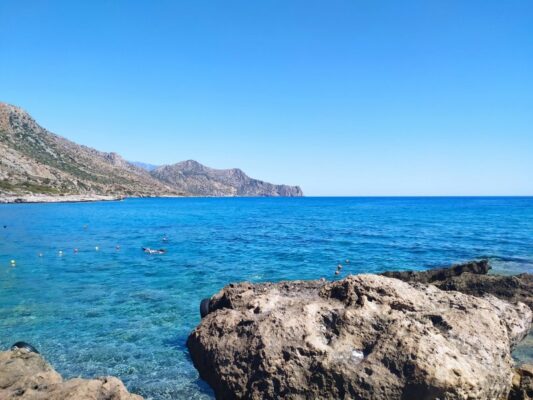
(71, 198)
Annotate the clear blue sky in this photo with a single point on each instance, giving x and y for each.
(340, 97)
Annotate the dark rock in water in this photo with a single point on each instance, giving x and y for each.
(25, 375)
(24, 345)
(363, 337)
(440, 274)
(522, 383)
(518, 288)
(472, 278)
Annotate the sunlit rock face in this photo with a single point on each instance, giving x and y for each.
(363, 337)
(26, 375)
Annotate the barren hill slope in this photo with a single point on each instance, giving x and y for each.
(34, 160)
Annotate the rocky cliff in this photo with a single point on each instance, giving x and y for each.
(36, 161)
(200, 180)
(363, 337)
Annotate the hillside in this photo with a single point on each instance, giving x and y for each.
(35, 161)
(200, 180)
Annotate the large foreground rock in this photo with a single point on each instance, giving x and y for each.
(25, 375)
(364, 337)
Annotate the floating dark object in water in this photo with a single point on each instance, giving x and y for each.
(5, 226)
(24, 345)
(148, 250)
(204, 307)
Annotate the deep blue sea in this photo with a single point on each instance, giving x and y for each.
(105, 310)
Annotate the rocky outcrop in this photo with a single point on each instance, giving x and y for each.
(363, 337)
(200, 180)
(472, 278)
(25, 375)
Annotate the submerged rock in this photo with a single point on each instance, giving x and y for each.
(363, 337)
(26, 375)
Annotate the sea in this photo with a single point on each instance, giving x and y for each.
(76, 284)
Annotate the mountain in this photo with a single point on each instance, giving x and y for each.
(145, 166)
(36, 161)
(200, 180)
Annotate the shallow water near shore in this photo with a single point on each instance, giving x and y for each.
(105, 310)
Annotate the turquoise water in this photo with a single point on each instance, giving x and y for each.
(122, 312)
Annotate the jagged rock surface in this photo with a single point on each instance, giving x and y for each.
(200, 180)
(27, 376)
(364, 337)
(472, 278)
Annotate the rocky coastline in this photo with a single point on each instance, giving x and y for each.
(67, 198)
(439, 334)
(445, 334)
(25, 375)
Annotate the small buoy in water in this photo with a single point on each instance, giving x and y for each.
(339, 266)
(337, 272)
(75, 250)
(13, 262)
(97, 248)
(347, 261)
(85, 226)
(40, 254)
(117, 247)
(60, 252)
